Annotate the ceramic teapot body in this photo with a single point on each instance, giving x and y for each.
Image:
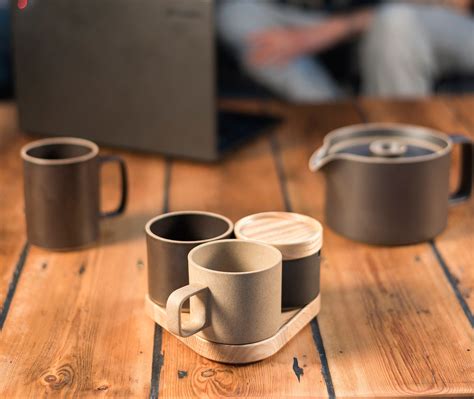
(387, 199)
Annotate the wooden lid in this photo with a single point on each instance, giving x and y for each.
(295, 235)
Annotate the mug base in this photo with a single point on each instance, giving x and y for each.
(79, 247)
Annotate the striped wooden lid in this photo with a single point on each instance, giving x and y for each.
(295, 235)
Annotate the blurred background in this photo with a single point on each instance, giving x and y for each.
(148, 74)
(320, 50)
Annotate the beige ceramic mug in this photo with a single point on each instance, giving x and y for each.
(234, 290)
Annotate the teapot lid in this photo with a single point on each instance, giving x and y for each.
(381, 143)
(389, 142)
(295, 235)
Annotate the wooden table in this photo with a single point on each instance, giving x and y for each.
(395, 322)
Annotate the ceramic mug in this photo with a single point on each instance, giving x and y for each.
(235, 293)
(62, 194)
(170, 237)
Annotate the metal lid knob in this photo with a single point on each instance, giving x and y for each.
(388, 148)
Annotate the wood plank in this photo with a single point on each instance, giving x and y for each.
(390, 323)
(457, 241)
(77, 327)
(12, 224)
(463, 109)
(243, 183)
(457, 245)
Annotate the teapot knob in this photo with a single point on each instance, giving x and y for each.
(388, 148)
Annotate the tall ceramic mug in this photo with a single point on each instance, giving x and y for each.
(62, 194)
(235, 293)
(170, 237)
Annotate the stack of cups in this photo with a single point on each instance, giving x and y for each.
(236, 288)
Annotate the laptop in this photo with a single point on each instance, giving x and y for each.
(139, 74)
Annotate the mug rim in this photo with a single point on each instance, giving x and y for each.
(167, 215)
(93, 147)
(193, 263)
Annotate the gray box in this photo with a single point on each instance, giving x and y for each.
(134, 73)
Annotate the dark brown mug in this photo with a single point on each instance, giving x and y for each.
(170, 237)
(62, 194)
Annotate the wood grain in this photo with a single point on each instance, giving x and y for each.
(457, 243)
(76, 327)
(450, 116)
(389, 320)
(12, 225)
(242, 184)
(402, 305)
(295, 235)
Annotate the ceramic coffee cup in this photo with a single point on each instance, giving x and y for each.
(170, 237)
(62, 194)
(235, 293)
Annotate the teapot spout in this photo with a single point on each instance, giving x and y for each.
(320, 158)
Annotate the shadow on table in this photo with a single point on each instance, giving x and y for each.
(126, 228)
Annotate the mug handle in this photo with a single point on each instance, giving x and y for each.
(466, 170)
(124, 184)
(197, 318)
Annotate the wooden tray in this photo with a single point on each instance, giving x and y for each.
(293, 322)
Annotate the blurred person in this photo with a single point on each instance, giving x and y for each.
(404, 47)
(276, 43)
(409, 46)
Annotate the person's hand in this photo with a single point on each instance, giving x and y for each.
(275, 46)
(462, 6)
(279, 46)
